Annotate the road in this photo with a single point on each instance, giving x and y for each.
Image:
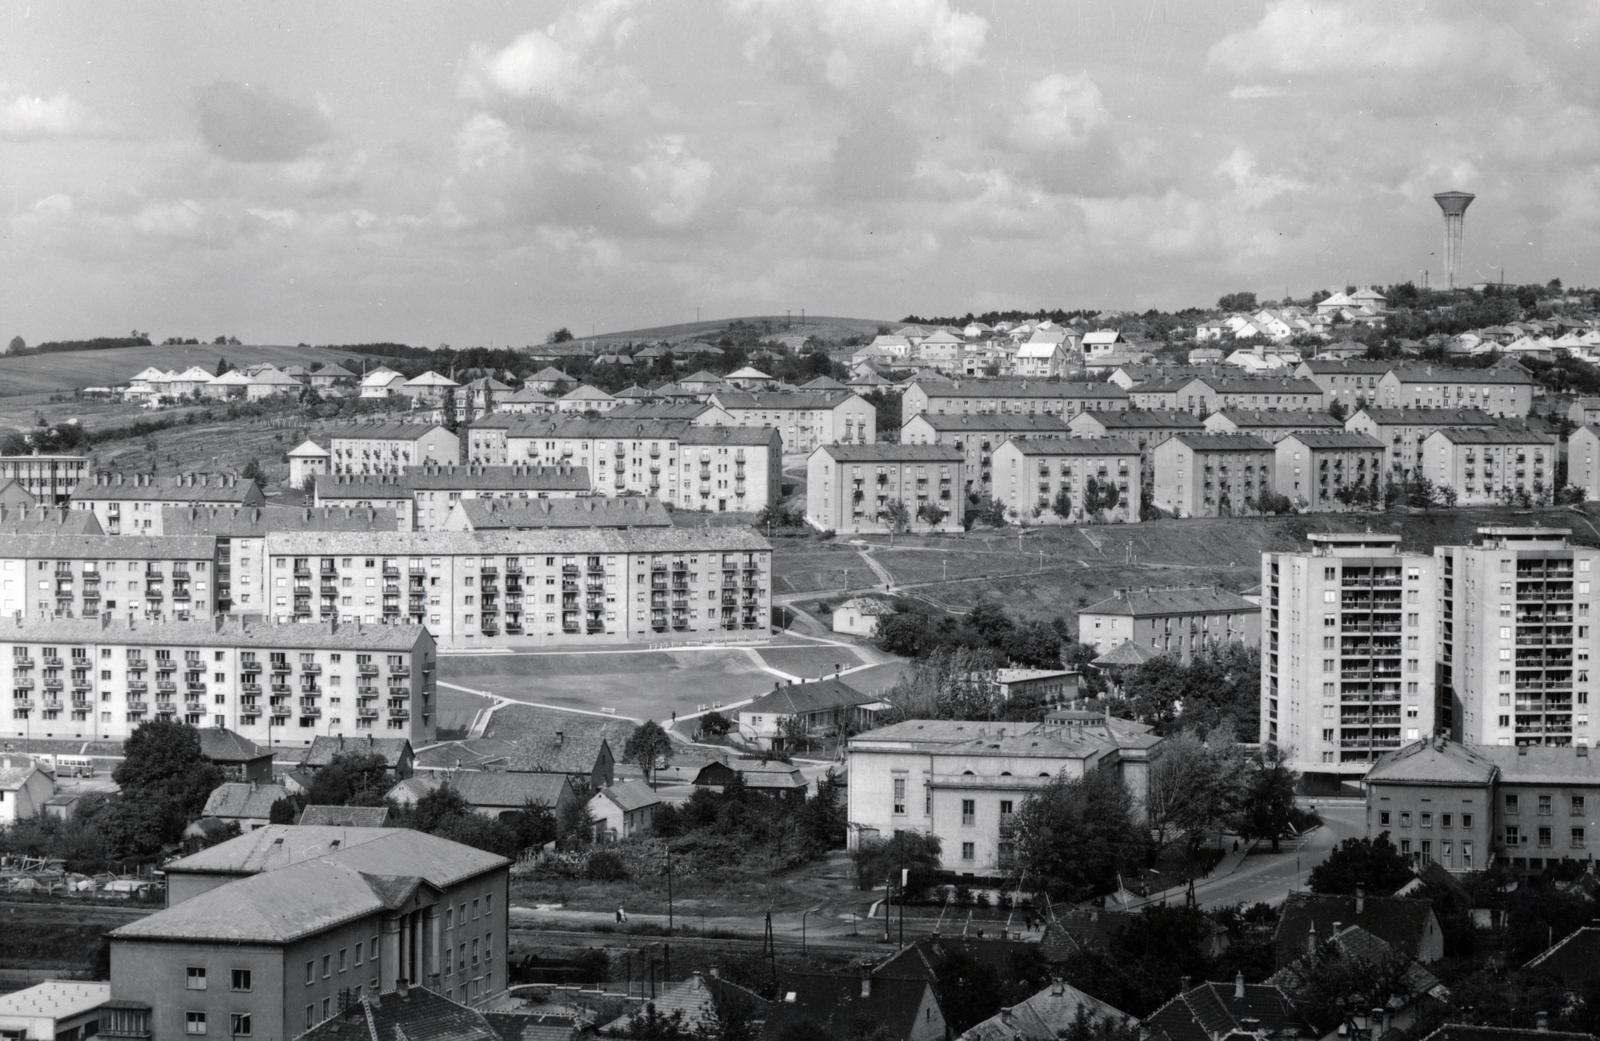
(1269, 879)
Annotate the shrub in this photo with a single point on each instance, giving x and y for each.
(603, 865)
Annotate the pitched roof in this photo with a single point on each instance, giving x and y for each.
(244, 799)
(1512, 375)
(197, 489)
(1403, 923)
(220, 632)
(221, 745)
(333, 369)
(782, 399)
(1350, 366)
(1017, 388)
(1214, 1010)
(835, 1002)
(1434, 417)
(816, 696)
(418, 1014)
(887, 453)
(545, 742)
(1472, 1032)
(695, 998)
(17, 519)
(589, 511)
(1046, 1016)
(323, 748)
(514, 789)
(829, 383)
(383, 431)
(1335, 440)
(1297, 419)
(1494, 435)
(1356, 946)
(247, 521)
(1145, 419)
(586, 393)
(1573, 960)
(431, 379)
(557, 542)
(308, 449)
(345, 816)
(631, 795)
(1433, 761)
(1073, 446)
(1224, 442)
(1156, 603)
(748, 373)
(1004, 422)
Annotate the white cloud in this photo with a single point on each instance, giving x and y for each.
(569, 66)
(674, 180)
(1252, 185)
(847, 40)
(1260, 91)
(1059, 110)
(26, 117)
(484, 141)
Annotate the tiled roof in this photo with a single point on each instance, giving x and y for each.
(244, 799)
(1433, 761)
(589, 511)
(48, 520)
(1224, 442)
(781, 400)
(1543, 764)
(1436, 374)
(1155, 603)
(1047, 1016)
(1214, 1010)
(502, 789)
(887, 453)
(695, 999)
(573, 427)
(111, 547)
(324, 748)
(1145, 419)
(817, 696)
(724, 435)
(1352, 366)
(652, 409)
(631, 795)
(221, 745)
(1471, 1032)
(1493, 436)
(345, 816)
(528, 478)
(382, 431)
(1294, 419)
(256, 521)
(972, 388)
(1335, 440)
(1073, 446)
(1403, 923)
(1431, 417)
(1006, 422)
(172, 489)
(220, 632)
(573, 541)
(281, 847)
(1356, 946)
(1573, 960)
(417, 1015)
(1127, 653)
(836, 1004)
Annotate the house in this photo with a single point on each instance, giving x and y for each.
(1040, 360)
(1101, 341)
(387, 448)
(749, 378)
(331, 376)
(1503, 391)
(307, 461)
(1063, 398)
(1352, 945)
(694, 1003)
(396, 752)
(1171, 621)
(270, 383)
(1093, 479)
(245, 803)
(804, 419)
(859, 616)
(344, 817)
(238, 758)
(524, 401)
(977, 436)
(1315, 467)
(1409, 926)
(961, 781)
(1402, 431)
(773, 777)
(430, 388)
(851, 1005)
(63, 1010)
(234, 383)
(856, 488)
(1205, 394)
(1584, 411)
(416, 1013)
(381, 382)
(821, 708)
(1047, 1016)
(1574, 960)
(586, 748)
(14, 497)
(1490, 465)
(136, 507)
(624, 809)
(585, 399)
(493, 792)
(1214, 1011)
(25, 787)
(1051, 686)
(1212, 475)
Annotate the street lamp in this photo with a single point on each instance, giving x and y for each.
(669, 889)
(809, 910)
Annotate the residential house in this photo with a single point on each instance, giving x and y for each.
(804, 419)
(493, 793)
(1040, 360)
(859, 616)
(1503, 391)
(1180, 622)
(693, 1004)
(1047, 686)
(1487, 465)
(430, 389)
(388, 448)
(245, 803)
(1102, 341)
(25, 787)
(306, 461)
(1203, 395)
(47, 520)
(1405, 924)
(750, 378)
(381, 382)
(238, 758)
(1237, 1010)
(941, 350)
(397, 753)
(1101, 479)
(332, 377)
(1315, 467)
(235, 383)
(1048, 1015)
(419, 1014)
(849, 1005)
(585, 748)
(855, 488)
(1146, 428)
(977, 436)
(1583, 460)
(271, 383)
(774, 777)
(1212, 475)
(819, 709)
(344, 817)
(1574, 960)
(1274, 426)
(1402, 431)
(1352, 947)
(136, 507)
(1353, 382)
(1584, 411)
(624, 809)
(585, 398)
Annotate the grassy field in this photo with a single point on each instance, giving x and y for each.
(805, 565)
(456, 711)
(69, 370)
(821, 327)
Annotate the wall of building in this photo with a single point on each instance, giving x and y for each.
(156, 973)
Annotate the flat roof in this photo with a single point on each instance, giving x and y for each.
(55, 999)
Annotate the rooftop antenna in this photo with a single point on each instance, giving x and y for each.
(1454, 204)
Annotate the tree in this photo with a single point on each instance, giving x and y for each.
(715, 724)
(1374, 864)
(252, 471)
(931, 513)
(165, 781)
(222, 367)
(1241, 301)
(353, 778)
(1338, 411)
(896, 515)
(1098, 497)
(18, 344)
(1193, 787)
(950, 683)
(448, 407)
(1269, 797)
(1061, 505)
(1033, 645)
(284, 811)
(879, 860)
(561, 335)
(1073, 837)
(647, 746)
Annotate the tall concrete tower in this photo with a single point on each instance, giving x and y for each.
(1454, 205)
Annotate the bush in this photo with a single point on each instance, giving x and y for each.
(603, 865)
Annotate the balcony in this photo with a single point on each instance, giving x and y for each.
(180, 594)
(399, 713)
(366, 712)
(23, 683)
(399, 670)
(366, 668)
(22, 704)
(309, 711)
(310, 668)
(391, 571)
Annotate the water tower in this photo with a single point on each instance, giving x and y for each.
(1454, 205)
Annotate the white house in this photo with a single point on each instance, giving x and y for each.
(63, 1010)
(24, 788)
(624, 809)
(1101, 341)
(859, 616)
(381, 382)
(1041, 360)
(821, 708)
(307, 460)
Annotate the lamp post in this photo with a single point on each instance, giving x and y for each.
(669, 889)
(803, 914)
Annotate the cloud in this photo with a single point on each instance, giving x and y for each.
(847, 40)
(1261, 91)
(30, 118)
(1059, 111)
(1253, 186)
(674, 180)
(250, 124)
(568, 68)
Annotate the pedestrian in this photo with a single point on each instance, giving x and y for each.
(1236, 845)
(619, 916)
(674, 715)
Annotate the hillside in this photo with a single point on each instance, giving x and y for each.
(72, 370)
(814, 325)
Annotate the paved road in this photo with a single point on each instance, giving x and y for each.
(1267, 878)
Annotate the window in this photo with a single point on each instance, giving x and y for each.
(241, 979)
(194, 1022)
(1545, 837)
(343, 951)
(1466, 822)
(1425, 820)
(311, 1016)
(474, 910)
(1511, 804)
(311, 972)
(1577, 838)
(327, 965)
(196, 979)
(1383, 818)
(899, 795)
(488, 905)
(1405, 819)
(240, 1022)
(358, 952)
(968, 852)
(1446, 819)
(1545, 805)
(969, 812)
(1577, 806)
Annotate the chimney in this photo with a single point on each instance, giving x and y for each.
(1376, 1024)
(1238, 986)
(1361, 900)
(1311, 940)
(1183, 984)
(1541, 1022)
(866, 983)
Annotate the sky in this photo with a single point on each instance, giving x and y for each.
(483, 173)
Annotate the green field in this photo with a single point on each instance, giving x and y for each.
(70, 370)
(805, 566)
(823, 328)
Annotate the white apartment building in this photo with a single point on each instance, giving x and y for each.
(1516, 637)
(1583, 460)
(387, 448)
(1347, 635)
(804, 418)
(970, 396)
(135, 507)
(1487, 465)
(99, 679)
(530, 588)
(1029, 475)
(853, 487)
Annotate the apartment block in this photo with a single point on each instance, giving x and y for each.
(1402, 431)
(1030, 474)
(1062, 398)
(1502, 392)
(591, 511)
(1315, 468)
(1491, 465)
(553, 587)
(1203, 395)
(1352, 382)
(259, 942)
(804, 419)
(1516, 637)
(421, 496)
(855, 488)
(1348, 631)
(1146, 428)
(51, 478)
(100, 678)
(128, 576)
(693, 466)
(1211, 475)
(387, 448)
(977, 436)
(1583, 460)
(135, 507)
(1274, 426)
(1171, 621)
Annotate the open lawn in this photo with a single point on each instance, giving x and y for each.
(456, 711)
(810, 662)
(70, 370)
(637, 684)
(710, 331)
(806, 565)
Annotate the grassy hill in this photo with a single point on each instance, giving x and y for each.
(815, 325)
(71, 370)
